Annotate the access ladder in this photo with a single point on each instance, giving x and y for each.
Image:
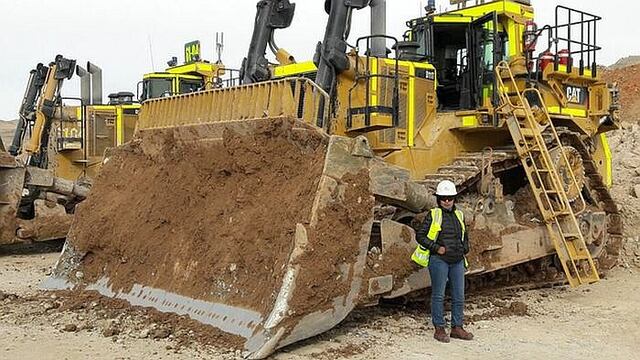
(527, 117)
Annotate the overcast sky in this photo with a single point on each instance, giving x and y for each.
(129, 38)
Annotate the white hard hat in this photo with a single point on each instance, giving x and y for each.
(446, 188)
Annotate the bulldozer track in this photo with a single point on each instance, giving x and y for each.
(466, 170)
(602, 197)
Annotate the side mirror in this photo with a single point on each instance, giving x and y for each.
(139, 91)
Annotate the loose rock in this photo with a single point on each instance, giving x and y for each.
(160, 333)
(110, 331)
(70, 328)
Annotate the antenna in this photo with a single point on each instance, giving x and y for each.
(219, 46)
(153, 68)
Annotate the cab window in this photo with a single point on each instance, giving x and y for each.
(155, 88)
(190, 85)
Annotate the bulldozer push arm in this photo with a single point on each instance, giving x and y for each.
(26, 115)
(331, 58)
(271, 15)
(58, 71)
(35, 205)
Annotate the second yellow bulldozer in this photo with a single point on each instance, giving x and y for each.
(59, 142)
(271, 210)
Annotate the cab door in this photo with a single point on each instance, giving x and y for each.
(484, 52)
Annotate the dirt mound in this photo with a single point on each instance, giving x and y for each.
(516, 308)
(625, 61)
(625, 147)
(156, 325)
(212, 220)
(628, 80)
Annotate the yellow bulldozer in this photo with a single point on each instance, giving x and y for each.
(272, 209)
(58, 147)
(193, 75)
(35, 202)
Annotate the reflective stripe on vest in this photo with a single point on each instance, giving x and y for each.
(436, 223)
(420, 256)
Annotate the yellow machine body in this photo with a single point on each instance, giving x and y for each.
(181, 79)
(523, 139)
(82, 134)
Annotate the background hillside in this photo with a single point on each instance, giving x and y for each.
(6, 130)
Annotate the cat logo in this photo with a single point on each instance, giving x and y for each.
(576, 95)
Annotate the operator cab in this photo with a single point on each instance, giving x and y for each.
(163, 84)
(464, 50)
(194, 75)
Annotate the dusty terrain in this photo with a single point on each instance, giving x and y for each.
(549, 323)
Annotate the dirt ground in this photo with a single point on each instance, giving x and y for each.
(548, 323)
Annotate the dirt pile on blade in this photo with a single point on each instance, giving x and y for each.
(208, 219)
(331, 244)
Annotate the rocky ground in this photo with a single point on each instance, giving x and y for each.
(550, 323)
(544, 323)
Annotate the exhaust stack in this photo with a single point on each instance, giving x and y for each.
(378, 27)
(85, 84)
(96, 83)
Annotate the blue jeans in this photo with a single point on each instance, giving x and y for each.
(441, 271)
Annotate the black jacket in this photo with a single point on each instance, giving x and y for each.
(449, 237)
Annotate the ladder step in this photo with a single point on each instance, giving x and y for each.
(532, 149)
(532, 145)
(559, 214)
(572, 236)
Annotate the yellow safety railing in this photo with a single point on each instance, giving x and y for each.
(291, 97)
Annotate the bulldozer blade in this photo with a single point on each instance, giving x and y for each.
(11, 183)
(230, 272)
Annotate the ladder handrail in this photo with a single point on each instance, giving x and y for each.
(506, 100)
(561, 222)
(574, 181)
(529, 118)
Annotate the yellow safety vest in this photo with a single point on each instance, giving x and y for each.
(421, 256)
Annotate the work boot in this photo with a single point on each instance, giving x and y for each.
(457, 332)
(441, 335)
